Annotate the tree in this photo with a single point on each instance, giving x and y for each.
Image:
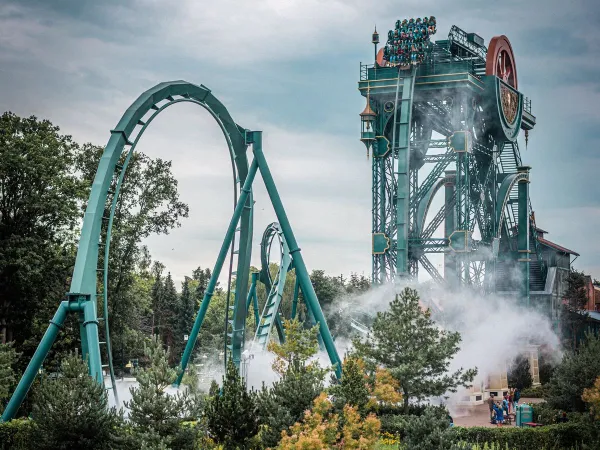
(40, 197)
(592, 397)
(186, 311)
(71, 411)
(299, 346)
(156, 415)
(573, 314)
(408, 343)
(8, 357)
(321, 429)
(148, 204)
(519, 374)
(576, 372)
(232, 415)
(285, 402)
(353, 388)
(168, 310)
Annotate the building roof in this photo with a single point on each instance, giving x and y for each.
(557, 247)
(594, 315)
(538, 229)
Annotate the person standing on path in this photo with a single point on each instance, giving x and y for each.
(491, 405)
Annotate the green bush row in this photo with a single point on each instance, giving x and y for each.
(16, 434)
(558, 436)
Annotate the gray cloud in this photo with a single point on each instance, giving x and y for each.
(291, 69)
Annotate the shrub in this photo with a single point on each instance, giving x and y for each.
(16, 434)
(540, 391)
(559, 436)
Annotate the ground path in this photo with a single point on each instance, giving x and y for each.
(479, 416)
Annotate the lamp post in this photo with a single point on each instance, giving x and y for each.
(367, 117)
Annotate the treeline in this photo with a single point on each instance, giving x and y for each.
(45, 181)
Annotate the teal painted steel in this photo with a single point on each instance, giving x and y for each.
(301, 272)
(252, 298)
(479, 117)
(523, 234)
(295, 299)
(271, 309)
(36, 362)
(244, 197)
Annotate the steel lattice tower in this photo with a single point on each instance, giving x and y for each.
(452, 122)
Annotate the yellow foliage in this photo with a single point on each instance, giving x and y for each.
(386, 387)
(320, 429)
(592, 397)
(299, 345)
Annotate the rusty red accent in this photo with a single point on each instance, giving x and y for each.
(500, 61)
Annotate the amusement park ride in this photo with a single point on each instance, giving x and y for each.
(456, 88)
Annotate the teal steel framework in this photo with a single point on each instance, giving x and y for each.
(451, 120)
(91, 271)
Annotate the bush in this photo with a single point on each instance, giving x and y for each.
(559, 436)
(540, 391)
(398, 424)
(16, 434)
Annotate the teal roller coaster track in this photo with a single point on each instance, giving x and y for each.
(91, 271)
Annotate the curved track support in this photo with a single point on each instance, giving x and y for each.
(503, 196)
(270, 314)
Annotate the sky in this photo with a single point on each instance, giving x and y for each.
(290, 68)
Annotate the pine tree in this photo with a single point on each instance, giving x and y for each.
(520, 376)
(573, 314)
(414, 349)
(153, 412)
(71, 411)
(299, 346)
(353, 388)
(232, 416)
(576, 372)
(169, 313)
(185, 317)
(285, 402)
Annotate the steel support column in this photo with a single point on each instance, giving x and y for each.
(523, 235)
(402, 150)
(310, 297)
(246, 189)
(449, 226)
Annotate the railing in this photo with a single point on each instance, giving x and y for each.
(432, 66)
(527, 105)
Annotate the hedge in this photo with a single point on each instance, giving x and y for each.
(550, 437)
(16, 434)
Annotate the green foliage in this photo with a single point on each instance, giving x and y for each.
(429, 431)
(577, 371)
(18, 434)
(70, 411)
(232, 415)
(300, 345)
(156, 416)
(148, 204)
(352, 389)
(284, 404)
(409, 344)
(186, 310)
(39, 213)
(573, 318)
(540, 391)
(8, 357)
(519, 375)
(559, 436)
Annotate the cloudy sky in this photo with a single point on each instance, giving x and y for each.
(290, 68)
